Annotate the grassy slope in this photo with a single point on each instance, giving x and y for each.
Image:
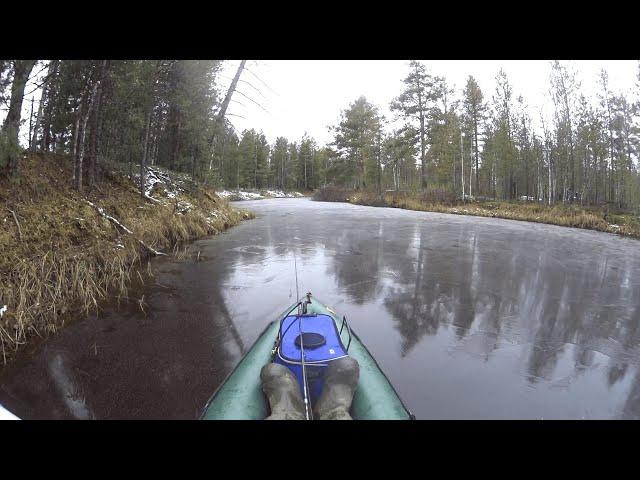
(65, 258)
(622, 223)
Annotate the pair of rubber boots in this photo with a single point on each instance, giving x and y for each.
(285, 399)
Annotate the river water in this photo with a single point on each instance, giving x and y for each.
(470, 318)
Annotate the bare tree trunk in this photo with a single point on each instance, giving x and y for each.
(232, 88)
(423, 167)
(41, 103)
(475, 134)
(549, 165)
(173, 162)
(34, 135)
(156, 142)
(313, 154)
(462, 163)
(11, 127)
(31, 120)
(470, 175)
(48, 113)
(96, 127)
(305, 173)
(76, 131)
(81, 142)
(143, 160)
(379, 165)
(224, 146)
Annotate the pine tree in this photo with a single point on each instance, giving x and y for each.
(414, 104)
(355, 139)
(474, 112)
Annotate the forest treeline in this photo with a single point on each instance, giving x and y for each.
(463, 144)
(467, 143)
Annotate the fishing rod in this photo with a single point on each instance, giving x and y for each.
(295, 263)
(307, 407)
(301, 310)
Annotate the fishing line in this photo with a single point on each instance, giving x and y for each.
(295, 263)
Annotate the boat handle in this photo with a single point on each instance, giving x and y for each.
(344, 322)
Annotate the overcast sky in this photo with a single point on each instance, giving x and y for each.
(307, 95)
(298, 96)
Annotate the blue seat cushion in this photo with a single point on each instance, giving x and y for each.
(323, 325)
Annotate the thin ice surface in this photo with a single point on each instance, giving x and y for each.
(469, 317)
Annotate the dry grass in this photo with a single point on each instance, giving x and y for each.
(590, 218)
(59, 258)
(333, 194)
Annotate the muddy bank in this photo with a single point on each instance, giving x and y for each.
(154, 356)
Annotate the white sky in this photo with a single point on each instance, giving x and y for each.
(308, 95)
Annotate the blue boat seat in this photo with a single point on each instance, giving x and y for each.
(322, 345)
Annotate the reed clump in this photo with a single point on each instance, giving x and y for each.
(332, 194)
(59, 258)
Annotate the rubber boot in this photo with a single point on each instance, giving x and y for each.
(283, 392)
(341, 381)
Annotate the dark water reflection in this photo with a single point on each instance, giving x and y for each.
(469, 317)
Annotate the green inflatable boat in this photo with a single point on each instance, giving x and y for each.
(240, 396)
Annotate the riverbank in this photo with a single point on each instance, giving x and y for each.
(64, 252)
(590, 218)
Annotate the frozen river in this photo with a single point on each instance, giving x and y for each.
(470, 318)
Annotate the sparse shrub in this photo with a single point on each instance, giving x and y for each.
(332, 194)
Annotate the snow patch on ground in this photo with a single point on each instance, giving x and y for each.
(246, 195)
(183, 207)
(2, 310)
(281, 194)
(171, 185)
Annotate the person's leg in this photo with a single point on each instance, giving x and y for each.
(341, 381)
(283, 392)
